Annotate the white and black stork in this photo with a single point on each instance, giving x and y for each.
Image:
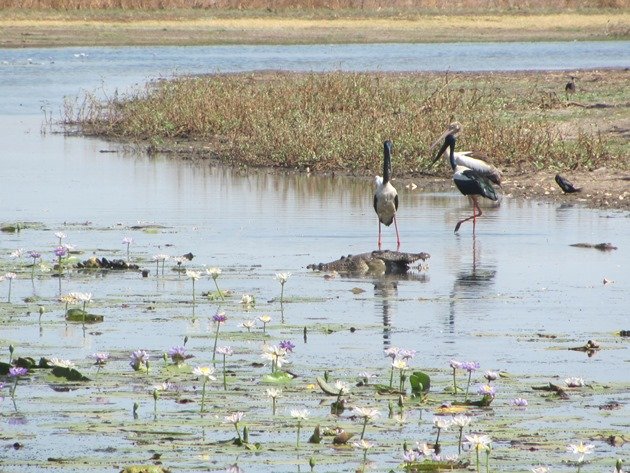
(472, 177)
(386, 197)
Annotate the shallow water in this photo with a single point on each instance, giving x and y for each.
(484, 297)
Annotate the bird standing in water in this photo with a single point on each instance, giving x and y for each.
(470, 181)
(386, 197)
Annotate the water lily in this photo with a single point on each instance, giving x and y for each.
(287, 346)
(410, 456)
(10, 276)
(491, 375)
(235, 419)
(479, 443)
(470, 367)
(177, 354)
(406, 354)
(217, 319)
(486, 390)
(249, 325)
(363, 445)
(518, 402)
(441, 423)
(461, 421)
(139, 360)
(248, 300)
(282, 279)
(300, 415)
(424, 449)
(207, 373)
(225, 351)
(265, 319)
(127, 241)
(35, 255)
(100, 358)
(194, 276)
(455, 365)
(574, 382)
(61, 236)
(84, 297)
(275, 354)
(17, 253)
(214, 273)
(16, 372)
(58, 362)
(400, 365)
(367, 414)
(274, 394)
(581, 450)
(342, 388)
(540, 469)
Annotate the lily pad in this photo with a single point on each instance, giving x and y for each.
(79, 315)
(70, 374)
(420, 382)
(277, 378)
(145, 469)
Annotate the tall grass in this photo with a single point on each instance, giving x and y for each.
(336, 121)
(310, 4)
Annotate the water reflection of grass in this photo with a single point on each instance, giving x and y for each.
(171, 425)
(337, 121)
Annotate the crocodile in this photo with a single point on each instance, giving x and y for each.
(383, 262)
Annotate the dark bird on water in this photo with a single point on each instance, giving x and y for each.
(565, 185)
(570, 87)
(470, 181)
(386, 197)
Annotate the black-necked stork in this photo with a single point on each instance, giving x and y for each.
(469, 180)
(464, 158)
(386, 197)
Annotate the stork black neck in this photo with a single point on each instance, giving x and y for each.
(449, 142)
(387, 161)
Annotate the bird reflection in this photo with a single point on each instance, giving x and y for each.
(386, 297)
(470, 284)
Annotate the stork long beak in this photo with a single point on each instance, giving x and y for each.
(441, 152)
(453, 129)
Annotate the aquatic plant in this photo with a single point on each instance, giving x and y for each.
(301, 415)
(35, 255)
(248, 300)
(194, 276)
(249, 325)
(440, 423)
(401, 366)
(469, 367)
(479, 443)
(217, 319)
(455, 365)
(540, 469)
(127, 241)
(574, 382)
(214, 273)
(581, 450)
(274, 394)
(234, 419)
(11, 350)
(139, 360)
(225, 351)
(207, 373)
(363, 445)
(460, 421)
(177, 355)
(275, 354)
(60, 252)
(491, 376)
(287, 346)
(367, 414)
(60, 236)
(392, 352)
(342, 388)
(10, 277)
(160, 258)
(282, 279)
(16, 372)
(100, 359)
(265, 319)
(518, 402)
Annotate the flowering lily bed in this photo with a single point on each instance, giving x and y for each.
(200, 368)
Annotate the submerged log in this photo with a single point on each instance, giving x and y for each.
(384, 262)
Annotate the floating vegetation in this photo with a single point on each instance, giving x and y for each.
(252, 386)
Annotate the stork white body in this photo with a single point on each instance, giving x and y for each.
(385, 196)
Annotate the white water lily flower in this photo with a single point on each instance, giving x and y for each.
(366, 412)
(424, 449)
(342, 387)
(479, 442)
(442, 423)
(194, 275)
(283, 277)
(582, 449)
(363, 444)
(160, 257)
(540, 469)
(461, 421)
(574, 382)
(205, 372)
(247, 299)
(400, 364)
(300, 414)
(274, 392)
(61, 363)
(234, 418)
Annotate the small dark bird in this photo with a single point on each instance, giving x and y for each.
(469, 181)
(386, 197)
(570, 87)
(565, 185)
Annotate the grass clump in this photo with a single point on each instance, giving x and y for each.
(338, 121)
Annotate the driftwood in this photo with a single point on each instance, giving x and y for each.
(382, 262)
(598, 246)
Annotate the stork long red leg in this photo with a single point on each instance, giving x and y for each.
(397, 236)
(379, 234)
(473, 216)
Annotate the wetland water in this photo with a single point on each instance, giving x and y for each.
(484, 298)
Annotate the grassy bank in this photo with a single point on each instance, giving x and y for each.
(21, 27)
(338, 121)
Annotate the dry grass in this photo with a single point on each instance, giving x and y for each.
(404, 5)
(338, 121)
